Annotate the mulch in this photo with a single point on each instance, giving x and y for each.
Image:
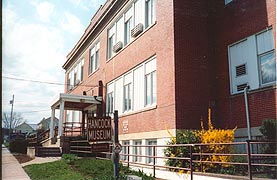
(22, 158)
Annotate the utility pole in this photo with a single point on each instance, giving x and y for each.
(11, 102)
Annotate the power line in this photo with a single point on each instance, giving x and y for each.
(34, 111)
(44, 82)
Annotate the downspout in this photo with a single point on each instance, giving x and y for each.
(247, 112)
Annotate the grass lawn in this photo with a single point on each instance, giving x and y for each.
(80, 169)
(52, 171)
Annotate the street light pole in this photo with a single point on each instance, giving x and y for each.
(11, 102)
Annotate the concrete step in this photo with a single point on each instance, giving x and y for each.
(48, 152)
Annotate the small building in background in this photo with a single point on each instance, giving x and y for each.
(23, 128)
(44, 124)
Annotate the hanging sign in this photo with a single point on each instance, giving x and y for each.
(99, 129)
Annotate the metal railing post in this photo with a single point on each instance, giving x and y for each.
(248, 149)
(154, 161)
(128, 156)
(201, 164)
(190, 163)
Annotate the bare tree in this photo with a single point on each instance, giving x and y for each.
(17, 119)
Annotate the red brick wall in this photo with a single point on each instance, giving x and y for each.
(233, 22)
(157, 40)
(191, 62)
(190, 40)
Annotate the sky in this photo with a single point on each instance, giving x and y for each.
(36, 37)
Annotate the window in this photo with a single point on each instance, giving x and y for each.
(111, 41)
(149, 150)
(94, 58)
(228, 1)
(125, 150)
(150, 12)
(127, 97)
(134, 90)
(69, 81)
(267, 63)
(257, 53)
(150, 83)
(110, 102)
(82, 70)
(73, 119)
(140, 15)
(137, 151)
(110, 98)
(128, 25)
(75, 75)
(120, 30)
(127, 92)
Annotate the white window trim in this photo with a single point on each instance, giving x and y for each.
(247, 68)
(95, 47)
(76, 68)
(148, 107)
(260, 69)
(122, 15)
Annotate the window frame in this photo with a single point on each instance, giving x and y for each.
(260, 68)
(129, 78)
(149, 150)
(142, 17)
(256, 48)
(94, 58)
(137, 150)
(127, 95)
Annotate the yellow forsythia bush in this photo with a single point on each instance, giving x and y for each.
(211, 136)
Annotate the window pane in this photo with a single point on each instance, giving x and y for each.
(110, 45)
(96, 60)
(125, 98)
(82, 72)
(128, 26)
(91, 62)
(154, 88)
(130, 97)
(268, 68)
(148, 89)
(150, 150)
(137, 151)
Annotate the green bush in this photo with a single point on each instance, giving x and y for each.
(182, 137)
(269, 129)
(18, 146)
(69, 158)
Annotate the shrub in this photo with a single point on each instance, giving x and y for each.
(18, 146)
(203, 136)
(269, 130)
(69, 158)
(182, 137)
(213, 135)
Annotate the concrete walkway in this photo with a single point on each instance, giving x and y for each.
(11, 169)
(40, 160)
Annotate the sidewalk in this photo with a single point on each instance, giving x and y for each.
(11, 169)
(40, 160)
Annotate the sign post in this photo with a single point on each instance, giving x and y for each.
(116, 146)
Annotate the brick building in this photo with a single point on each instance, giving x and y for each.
(162, 63)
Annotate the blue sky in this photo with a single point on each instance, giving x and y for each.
(37, 35)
